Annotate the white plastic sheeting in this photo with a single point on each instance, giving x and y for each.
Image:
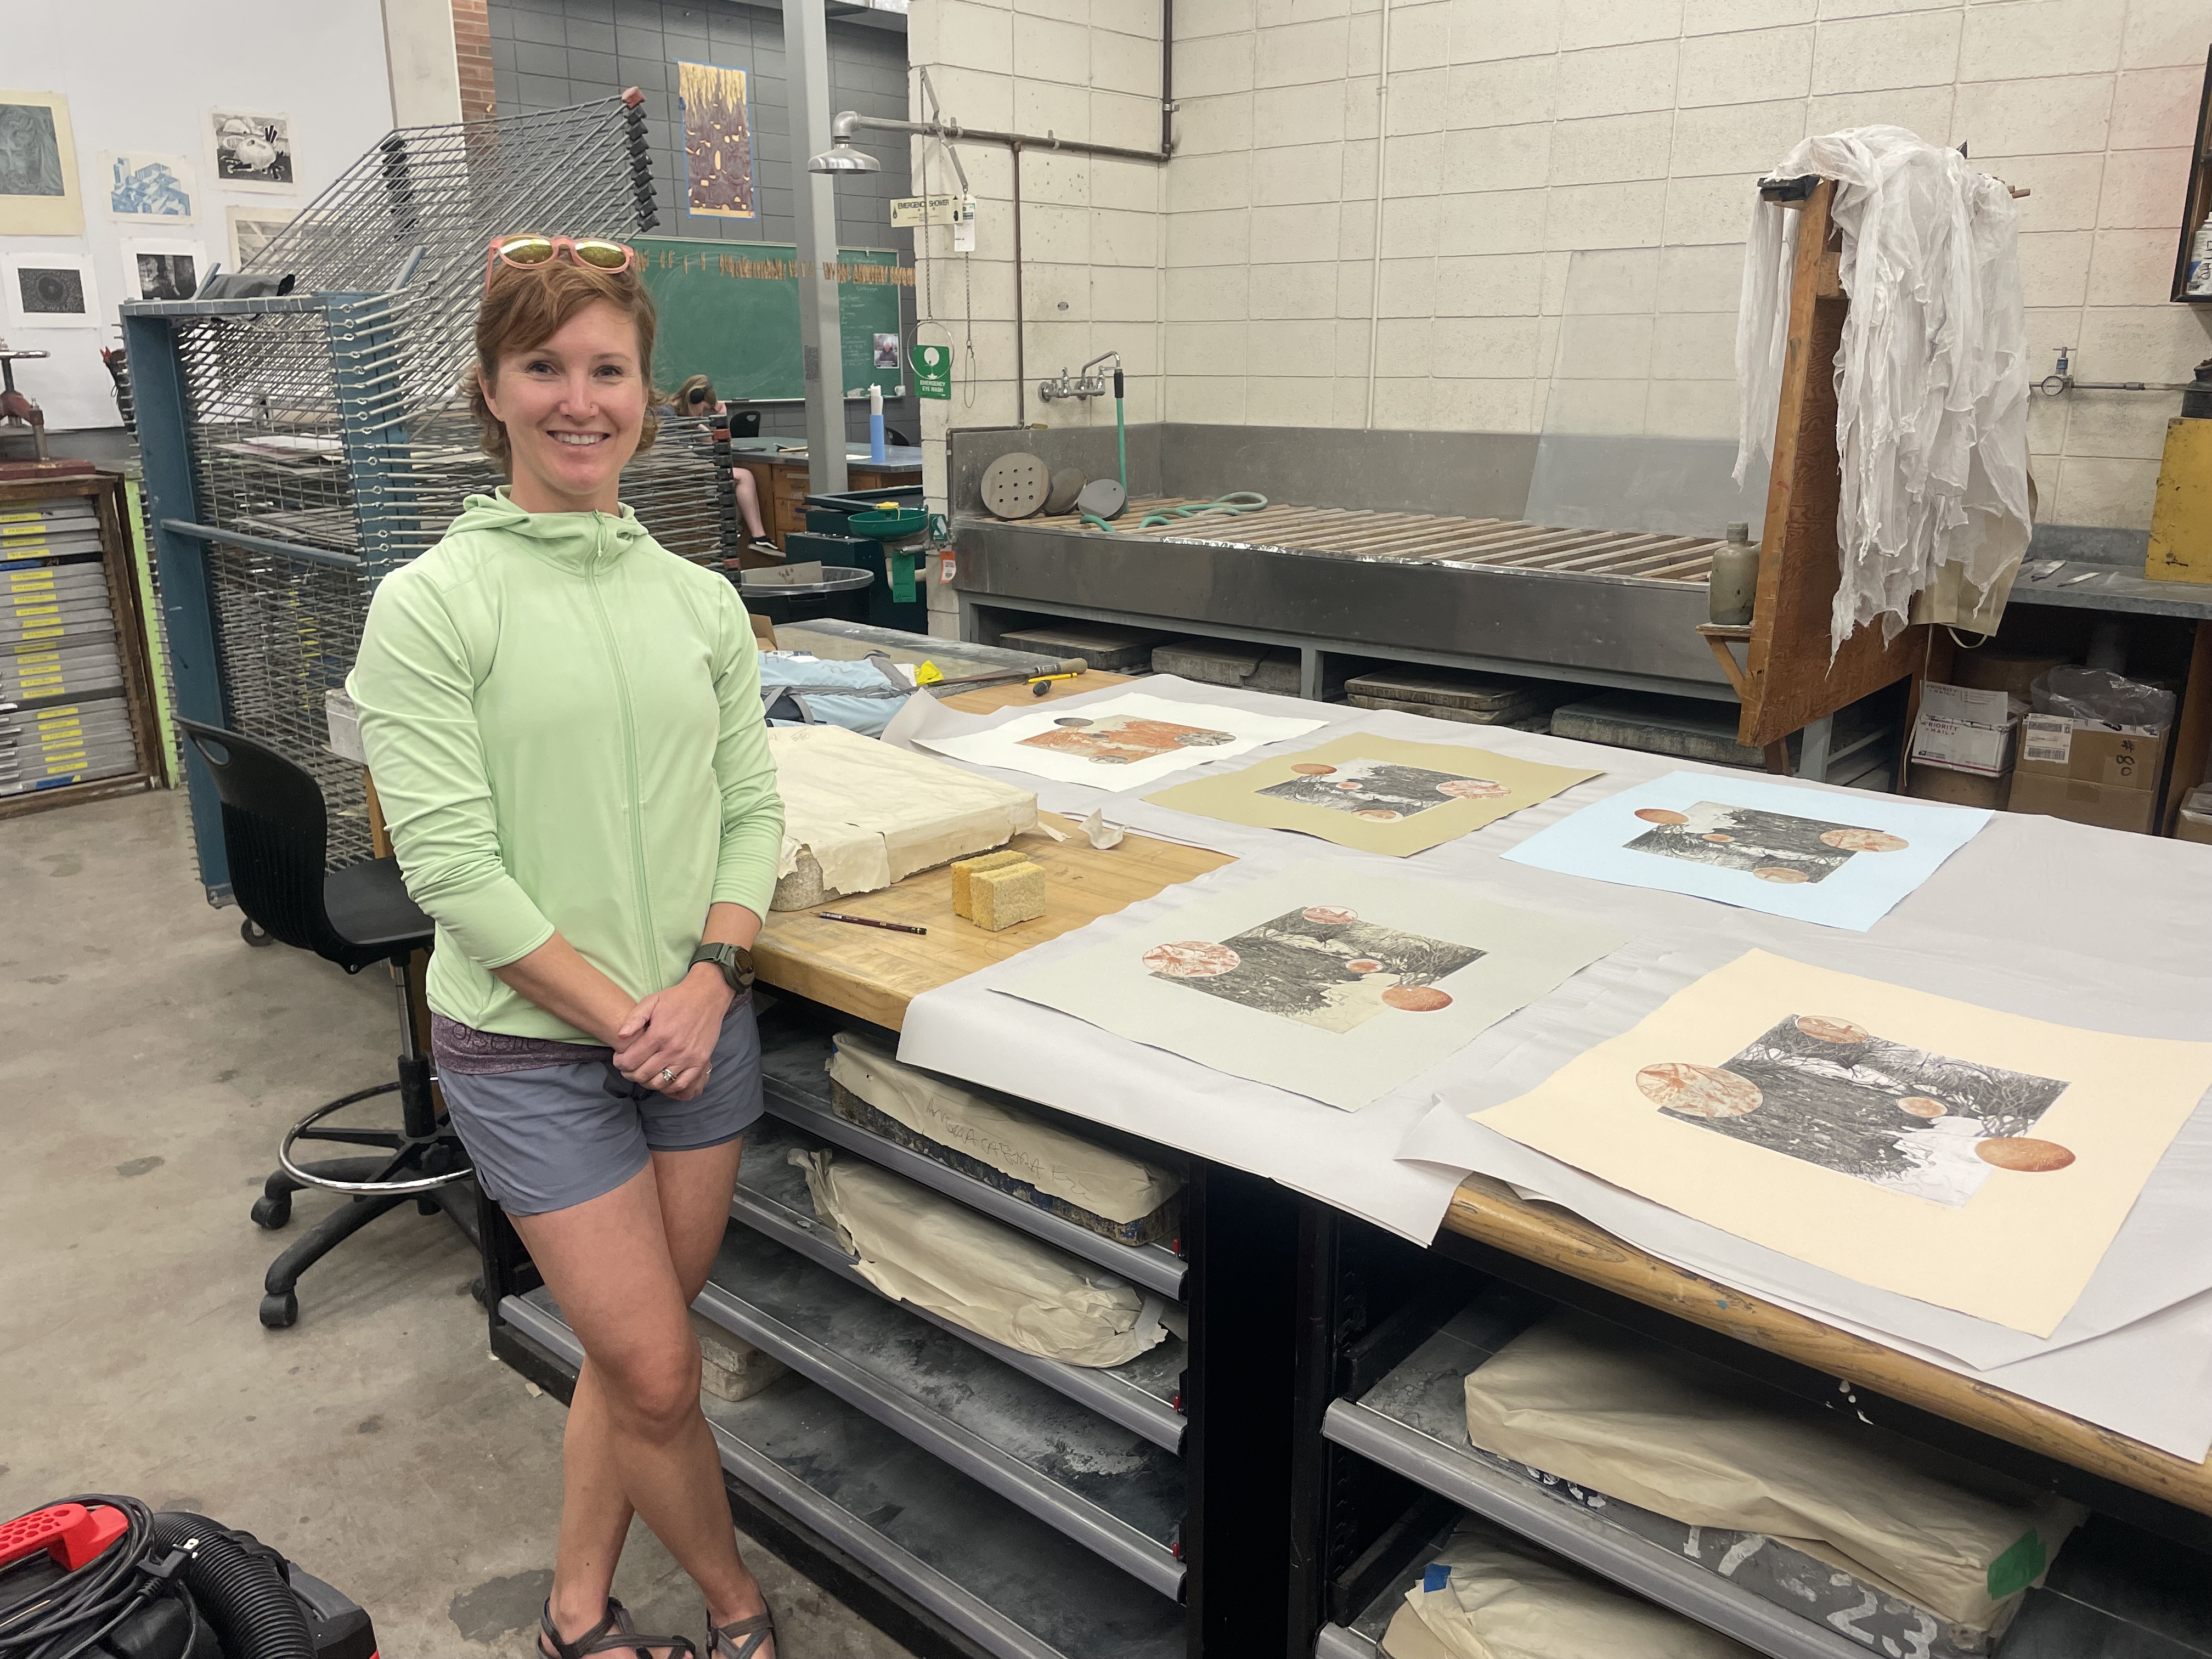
(1931, 375)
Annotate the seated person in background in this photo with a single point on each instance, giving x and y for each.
(695, 400)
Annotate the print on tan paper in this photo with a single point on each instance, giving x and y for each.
(1321, 966)
(1824, 1090)
(1118, 740)
(1380, 792)
(1774, 847)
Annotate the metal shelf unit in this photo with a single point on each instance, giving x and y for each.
(771, 1199)
(966, 1559)
(1110, 1490)
(799, 1092)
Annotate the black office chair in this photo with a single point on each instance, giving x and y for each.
(745, 423)
(275, 832)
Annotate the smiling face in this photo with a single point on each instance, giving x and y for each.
(573, 406)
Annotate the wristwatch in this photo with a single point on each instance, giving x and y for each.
(737, 965)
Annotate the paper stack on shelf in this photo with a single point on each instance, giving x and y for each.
(63, 716)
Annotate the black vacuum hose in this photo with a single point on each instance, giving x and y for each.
(240, 1588)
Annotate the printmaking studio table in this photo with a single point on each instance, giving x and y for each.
(1296, 1309)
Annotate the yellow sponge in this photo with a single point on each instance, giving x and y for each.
(963, 873)
(1009, 893)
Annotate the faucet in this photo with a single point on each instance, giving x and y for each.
(1084, 383)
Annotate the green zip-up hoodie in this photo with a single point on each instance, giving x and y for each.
(563, 720)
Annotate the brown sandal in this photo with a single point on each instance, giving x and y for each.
(722, 1640)
(612, 1633)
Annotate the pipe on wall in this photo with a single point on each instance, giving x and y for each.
(1021, 302)
(1375, 279)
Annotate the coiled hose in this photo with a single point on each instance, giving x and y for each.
(240, 1588)
(1237, 501)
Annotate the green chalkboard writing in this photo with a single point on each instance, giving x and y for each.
(729, 311)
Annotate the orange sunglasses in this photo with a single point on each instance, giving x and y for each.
(528, 253)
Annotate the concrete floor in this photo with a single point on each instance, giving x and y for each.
(148, 1061)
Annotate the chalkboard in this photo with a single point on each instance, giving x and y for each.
(729, 311)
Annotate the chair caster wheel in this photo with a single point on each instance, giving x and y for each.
(476, 1289)
(279, 1311)
(253, 935)
(271, 1212)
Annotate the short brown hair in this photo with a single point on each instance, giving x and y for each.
(525, 306)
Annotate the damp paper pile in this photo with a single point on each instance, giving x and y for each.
(1931, 376)
(1648, 1425)
(1487, 1596)
(1978, 1160)
(1376, 794)
(1119, 743)
(919, 1247)
(1016, 1143)
(1840, 857)
(1330, 979)
(859, 814)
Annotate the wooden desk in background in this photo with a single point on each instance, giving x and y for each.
(781, 481)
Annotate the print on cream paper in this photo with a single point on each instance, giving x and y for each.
(1320, 965)
(1816, 1087)
(2085, 1116)
(1121, 739)
(1378, 794)
(1774, 847)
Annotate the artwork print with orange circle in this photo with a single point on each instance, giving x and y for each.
(1320, 965)
(1380, 792)
(1772, 847)
(1823, 1088)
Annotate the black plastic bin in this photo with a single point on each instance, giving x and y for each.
(842, 595)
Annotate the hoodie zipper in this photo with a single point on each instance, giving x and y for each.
(648, 963)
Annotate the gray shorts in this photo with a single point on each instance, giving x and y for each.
(556, 1136)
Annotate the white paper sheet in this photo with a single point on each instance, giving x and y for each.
(1335, 981)
(1844, 859)
(1131, 737)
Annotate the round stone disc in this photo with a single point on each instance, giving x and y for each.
(1103, 497)
(1014, 486)
(1066, 485)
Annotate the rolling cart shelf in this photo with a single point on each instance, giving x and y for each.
(799, 1092)
(1093, 1480)
(771, 1199)
(1015, 1589)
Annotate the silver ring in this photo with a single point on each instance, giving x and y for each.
(668, 1074)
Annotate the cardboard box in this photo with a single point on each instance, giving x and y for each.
(1957, 788)
(2127, 757)
(1962, 745)
(2110, 806)
(2195, 822)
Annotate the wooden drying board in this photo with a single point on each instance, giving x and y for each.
(1486, 1210)
(1789, 680)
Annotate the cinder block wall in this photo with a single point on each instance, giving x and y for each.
(1542, 150)
(1088, 70)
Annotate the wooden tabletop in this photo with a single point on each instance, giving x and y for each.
(873, 974)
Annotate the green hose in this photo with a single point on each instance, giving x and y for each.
(1237, 501)
(1121, 436)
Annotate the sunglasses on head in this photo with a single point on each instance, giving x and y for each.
(529, 252)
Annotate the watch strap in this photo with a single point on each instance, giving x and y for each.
(735, 962)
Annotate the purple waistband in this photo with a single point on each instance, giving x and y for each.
(465, 1050)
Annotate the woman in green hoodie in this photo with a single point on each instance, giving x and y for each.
(563, 720)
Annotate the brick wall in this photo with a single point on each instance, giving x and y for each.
(473, 56)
